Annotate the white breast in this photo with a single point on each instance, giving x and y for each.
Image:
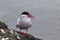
(24, 20)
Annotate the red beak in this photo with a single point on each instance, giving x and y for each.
(30, 16)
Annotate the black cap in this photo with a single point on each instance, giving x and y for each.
(25, 13)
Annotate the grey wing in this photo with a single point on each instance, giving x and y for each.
(18, 21)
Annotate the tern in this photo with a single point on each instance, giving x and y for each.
(24, 21)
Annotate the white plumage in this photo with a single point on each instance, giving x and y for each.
(24, 22)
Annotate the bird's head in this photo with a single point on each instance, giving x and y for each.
(28, 14)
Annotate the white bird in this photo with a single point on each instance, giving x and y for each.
(24, 21)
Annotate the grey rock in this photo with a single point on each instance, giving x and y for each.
(3, 25)
(10, 34)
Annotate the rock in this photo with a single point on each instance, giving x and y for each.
(10, 34)
(30, 37)
(7, 35)
(3, 25)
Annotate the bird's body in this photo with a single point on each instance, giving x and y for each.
(24, 22)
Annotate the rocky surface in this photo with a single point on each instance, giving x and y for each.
(9, 34)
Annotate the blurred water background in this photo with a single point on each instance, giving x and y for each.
(46, 24)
